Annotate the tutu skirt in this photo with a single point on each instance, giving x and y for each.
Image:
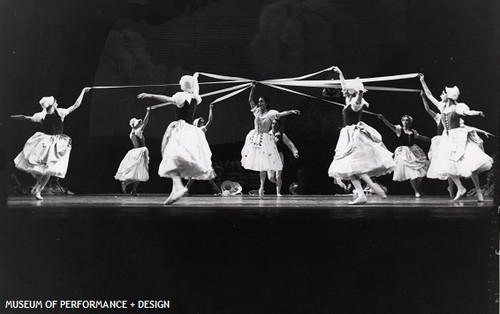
(260, 153)
(410, 163)
(457, 153)
(134, 166)
(45, 154)
(359, 151)
(185, 151)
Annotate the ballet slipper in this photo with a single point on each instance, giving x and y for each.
(417, 195)
(124, 188)
(460, 193)
(134, 193)
(176, 195)
(38, 196)
(359, 200)
(480, 197)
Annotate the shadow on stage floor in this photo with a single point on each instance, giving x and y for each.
(208, 254)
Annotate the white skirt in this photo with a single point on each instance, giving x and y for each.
(260, 153)
(410, 163)
(360, 151)
(45, 154)
(134, 166)
(185, 152)
(457, 153)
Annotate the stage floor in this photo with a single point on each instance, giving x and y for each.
(243, 254)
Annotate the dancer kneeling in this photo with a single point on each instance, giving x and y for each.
(410, 162)
(458, 153)
(184, 148)
(259, 152)
(134, 167)
(360, 153)
(46, 153)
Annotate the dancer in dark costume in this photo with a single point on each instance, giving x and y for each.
(360, 153)
(134, 167)
(184, 147)
(281, 141)
(410, 161)
(46, 153)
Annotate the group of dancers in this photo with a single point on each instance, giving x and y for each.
(360, 154)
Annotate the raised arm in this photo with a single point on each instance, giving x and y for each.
(428, 92)
(250, 96)
(390, 125)
(78, 101)
(291, 146)
(432, 113)
(146, 118)
(20, 117)
(286, 113)
(210, 115)
(341, 76)
(162, 98)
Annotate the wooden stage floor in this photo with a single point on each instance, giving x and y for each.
(242, 254)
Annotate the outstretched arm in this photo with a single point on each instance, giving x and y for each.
(471, 113)
(390, 125)
(291, 146)
(20, 117)
(78, 101)
(210, 115)
(341, 76)
(162, 98)
(286, 113)
(428, 92)
(421, 137)
(250, 97)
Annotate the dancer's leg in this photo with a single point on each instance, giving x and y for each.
(361, 198)
(178, 189)
(475, 180)
(461, 190)
(214, 187)
(450, 187)
(279, 182)
(262, 181)
(41, 185)
(134, 189)
(414, 185)
(271, 175)
(375, 187)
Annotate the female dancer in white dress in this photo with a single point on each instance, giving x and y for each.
(134, 167)
(281, 141)
(200, 123)
(46, 153)
(184, 148)
(456, 154)
(410, 161)
(360, 153)
(259, 152)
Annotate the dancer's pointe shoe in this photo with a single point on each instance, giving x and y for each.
(460, 193)
(134, 193)
(359, 200)
(261, 192)
(124, 188)
(38, 196)
(417, 195)
(480, 197)
(278, 195)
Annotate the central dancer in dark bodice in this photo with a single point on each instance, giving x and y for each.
(360, 153)
(184, 147)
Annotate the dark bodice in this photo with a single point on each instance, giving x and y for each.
(52, 124)
(406, 139)
(440, 128)
(187, 111)
(450, 120)
(350, 116)
(138, 141)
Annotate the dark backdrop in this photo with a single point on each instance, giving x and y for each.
(55, 47)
